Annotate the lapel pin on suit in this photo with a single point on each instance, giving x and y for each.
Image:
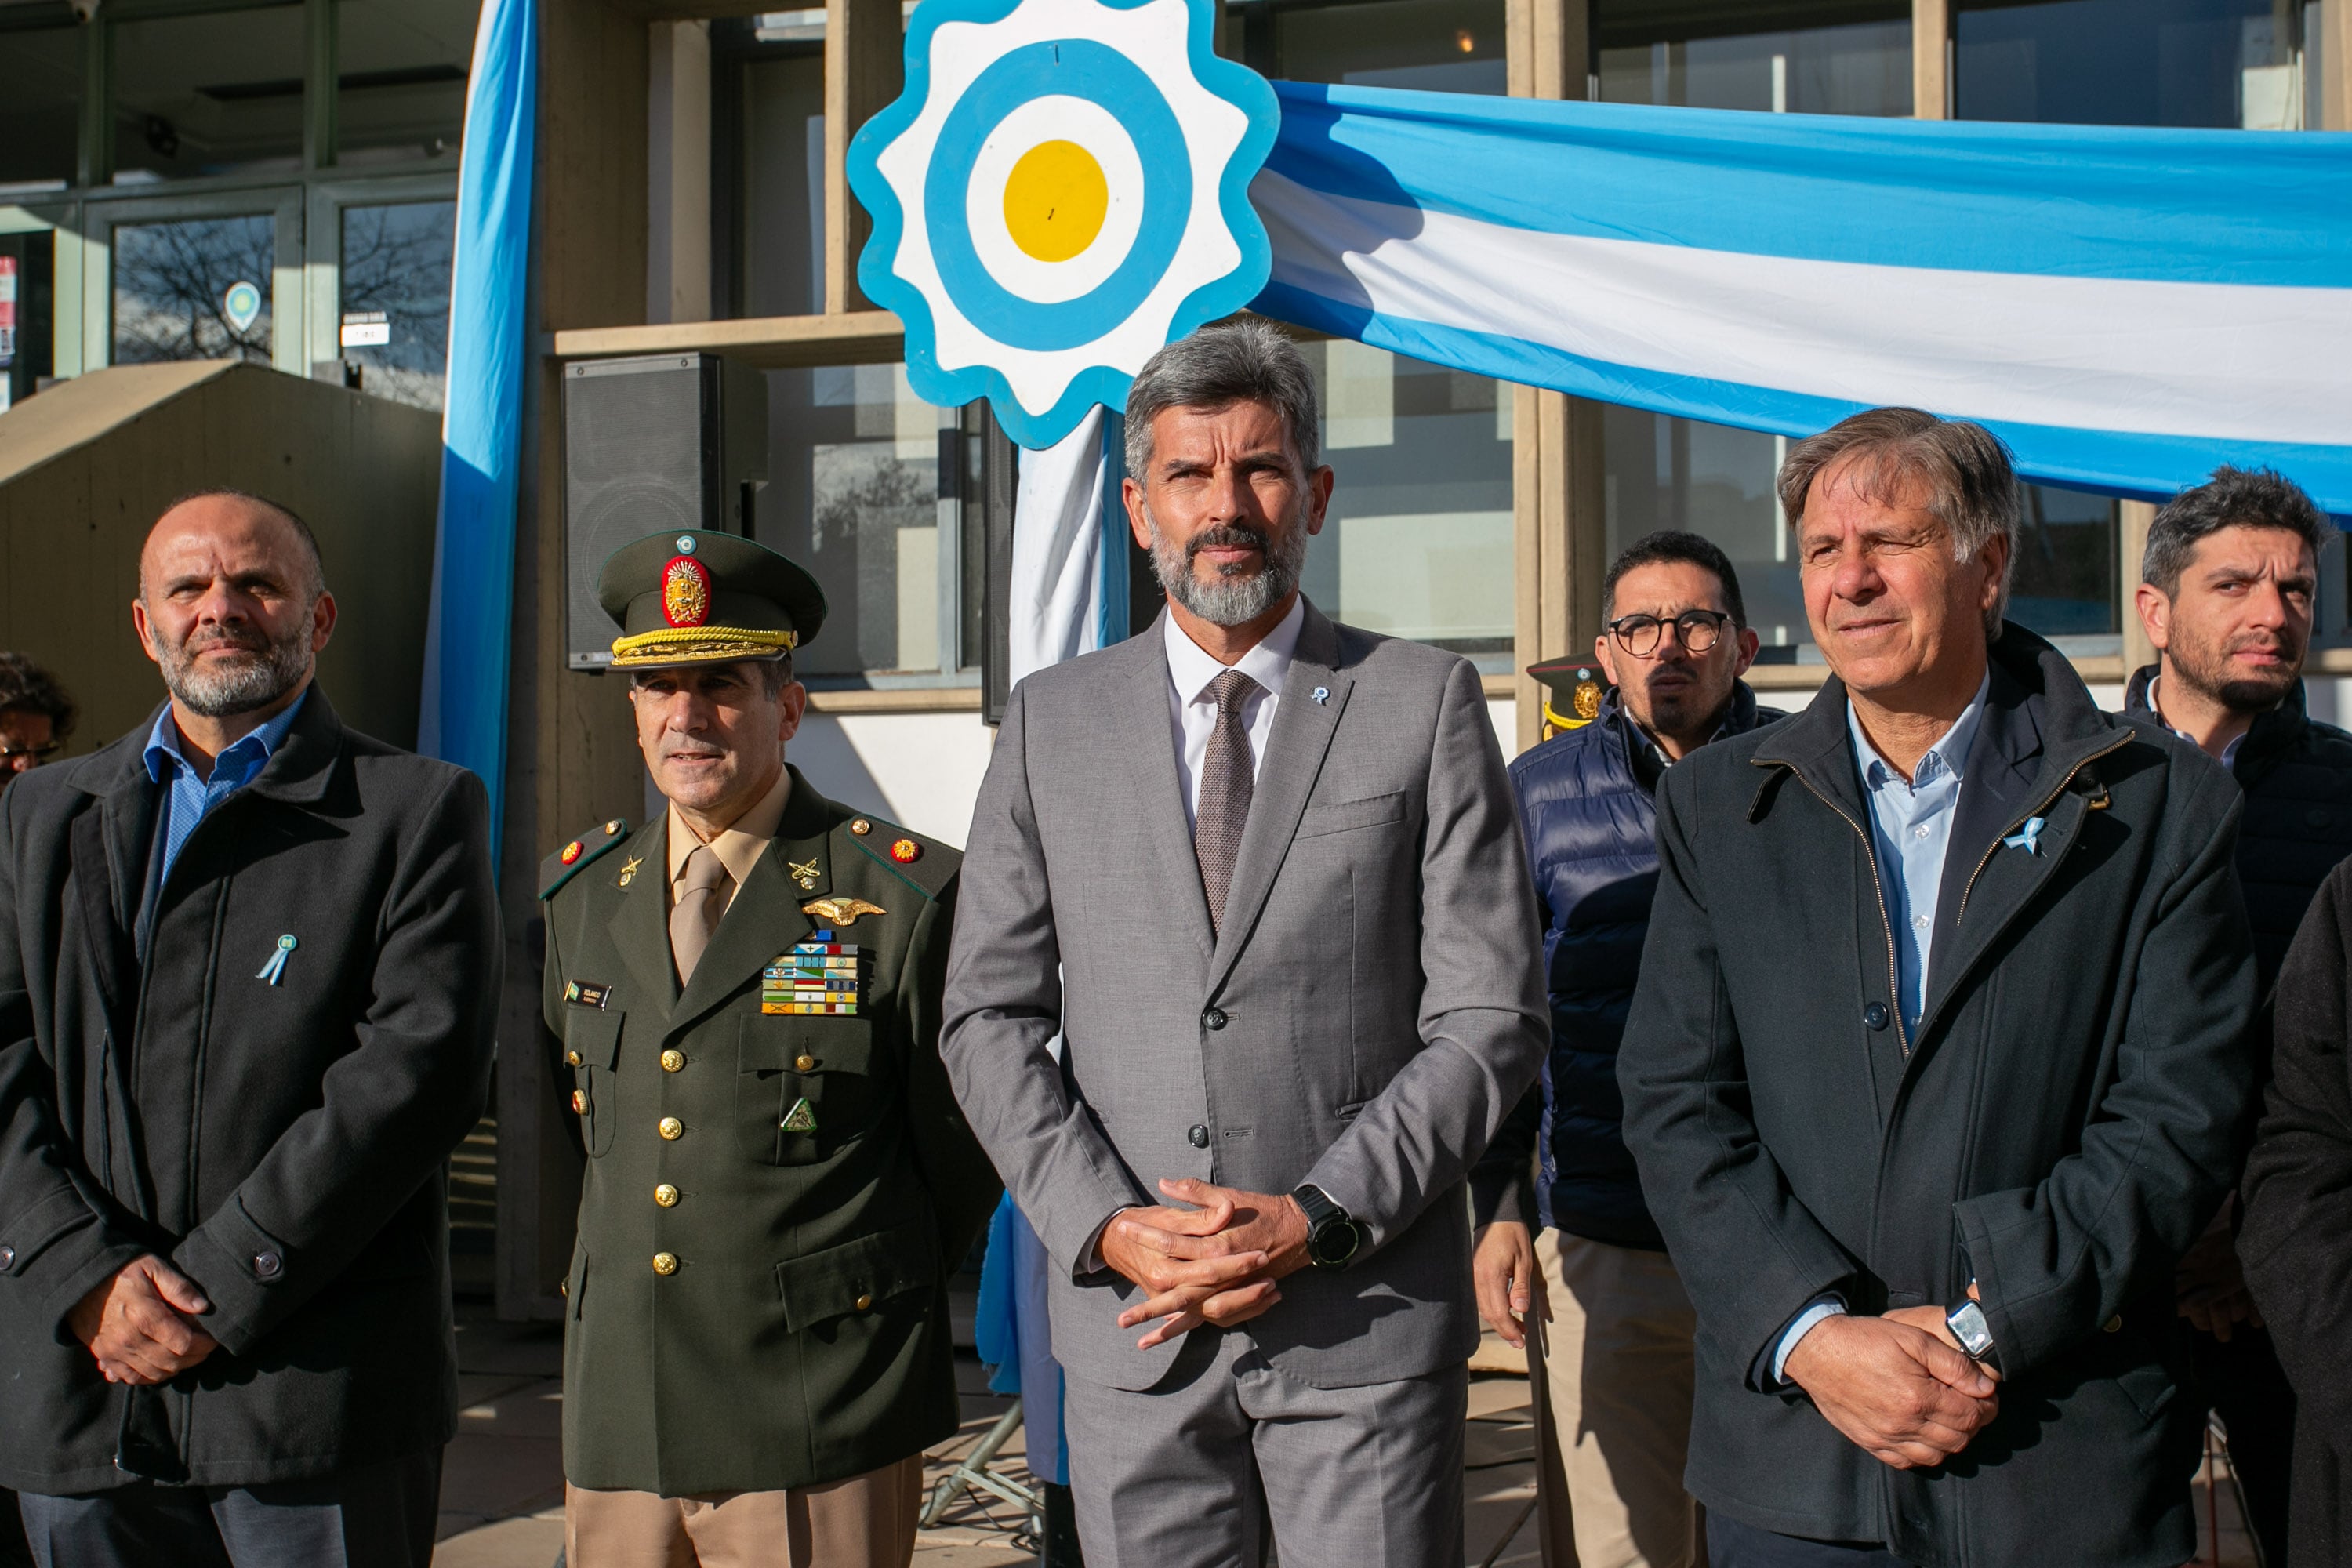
(276, 967)
(1321, 694)
(2028, 837)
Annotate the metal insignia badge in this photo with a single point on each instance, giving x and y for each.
(573, 851)
(1588, 697)
(629, 871)
(800, 1118)
(587, 994)
(904, 850)
(841, 911)
(685, 592)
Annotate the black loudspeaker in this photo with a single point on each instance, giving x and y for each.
(650, 443)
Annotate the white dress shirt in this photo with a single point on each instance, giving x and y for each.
(2229, 753)
(1192, 711)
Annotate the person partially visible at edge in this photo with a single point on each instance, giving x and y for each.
(2296, 1237)
(2227, 583)
(779, 1185)
(1937, 1061)
(1257, 873)
(1570, 1264)
(36, 716)
(249, 965)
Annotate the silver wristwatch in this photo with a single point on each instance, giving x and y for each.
(1967, 1324)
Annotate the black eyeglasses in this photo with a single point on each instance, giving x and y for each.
(28, 756)
(1699, 630)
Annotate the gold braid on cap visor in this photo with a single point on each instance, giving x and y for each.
(674, 645)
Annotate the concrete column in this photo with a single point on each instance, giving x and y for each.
(2137, 515)
(865, 44)
(677, 172)
(1931, 59)
(2334, 65)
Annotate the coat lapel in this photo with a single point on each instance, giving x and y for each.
(1143, 737)
(766, 917)
(1302, 733)
(639, 920)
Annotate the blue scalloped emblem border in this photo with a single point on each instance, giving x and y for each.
(1236, 84)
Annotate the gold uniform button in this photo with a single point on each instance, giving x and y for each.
(673, 1061)
(665, 1196)
(672, 1128)
(2113, 1325)
(861, 827)
(865, 1303)
(578, 1102)
(664, 1262)
(806, 1064)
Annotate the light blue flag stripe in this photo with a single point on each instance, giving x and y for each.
(2087, 200)
(463, 715)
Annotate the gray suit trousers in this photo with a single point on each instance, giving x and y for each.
(1186, 1473)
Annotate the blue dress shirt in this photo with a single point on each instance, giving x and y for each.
(190, 797)
(1910, 832)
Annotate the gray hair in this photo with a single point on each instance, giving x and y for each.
(1970, 483)
(1245, 361)
(2232, 497)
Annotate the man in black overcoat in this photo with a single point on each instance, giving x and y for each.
(1937, 1062)
(248, 968)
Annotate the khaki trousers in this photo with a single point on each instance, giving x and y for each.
(865, 1522)
(1611, 1377)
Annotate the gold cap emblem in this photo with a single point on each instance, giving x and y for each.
(685, 592)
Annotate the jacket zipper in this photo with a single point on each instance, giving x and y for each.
(2030, 812)
(1870, 853)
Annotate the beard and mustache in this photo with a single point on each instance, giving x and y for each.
(2207, 669)
(217, 689)
(1239, 593)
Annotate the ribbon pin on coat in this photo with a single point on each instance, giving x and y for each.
(277, 964)
(2028, 837)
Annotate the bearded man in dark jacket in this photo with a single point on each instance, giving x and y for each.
(2228, 587)
(1937, 1063)
(1576, 1251)
(248, 970)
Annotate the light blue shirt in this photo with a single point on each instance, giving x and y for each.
(1910, 832)
(189, 797)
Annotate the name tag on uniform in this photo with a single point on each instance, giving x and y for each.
(586, 993)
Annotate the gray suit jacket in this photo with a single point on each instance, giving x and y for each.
(1370, 1010)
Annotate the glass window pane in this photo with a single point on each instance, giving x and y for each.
(181, 290)
(2223, 63)
(1439, 46)
(401, 77)
(395, 307)
(40, 97)
(1861, 67)
(853, 495)
(1713, 481)
(208, 94)
(783, 186)
(1417, 542)
(2064, 581)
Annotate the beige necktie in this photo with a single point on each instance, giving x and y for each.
(702, 900)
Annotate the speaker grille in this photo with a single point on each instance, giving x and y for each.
(639, 439)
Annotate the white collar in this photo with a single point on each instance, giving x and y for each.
(1190, 667)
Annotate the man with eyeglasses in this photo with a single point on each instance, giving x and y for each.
(35, 716)
(1611, 1349)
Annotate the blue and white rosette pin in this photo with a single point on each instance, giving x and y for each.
(1062, 189)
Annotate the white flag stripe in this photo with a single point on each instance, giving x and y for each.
(2216, 361)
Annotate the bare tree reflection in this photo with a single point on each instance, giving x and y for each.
(170, 279)
(397, 260)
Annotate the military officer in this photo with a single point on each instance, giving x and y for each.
(779, 1183)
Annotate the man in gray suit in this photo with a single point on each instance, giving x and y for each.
(1261, 875)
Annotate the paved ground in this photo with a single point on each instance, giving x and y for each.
(502, 1483)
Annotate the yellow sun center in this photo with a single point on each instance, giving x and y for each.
(1054, 201)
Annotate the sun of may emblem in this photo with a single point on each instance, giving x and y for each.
(1062, 189)
(685, 592)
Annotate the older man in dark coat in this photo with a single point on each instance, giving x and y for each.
(248, 964)
(1937, 1059)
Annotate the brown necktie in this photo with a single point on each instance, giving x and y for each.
(702, 900)
(1227, 782)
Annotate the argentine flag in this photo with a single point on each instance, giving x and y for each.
(2127, 308)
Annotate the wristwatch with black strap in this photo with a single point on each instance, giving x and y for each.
(1332, 1236)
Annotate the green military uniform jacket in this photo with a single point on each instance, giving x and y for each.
(757, 1298)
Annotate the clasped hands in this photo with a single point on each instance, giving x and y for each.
(1213, 1262)
(1898, 1386)
(138, 1324)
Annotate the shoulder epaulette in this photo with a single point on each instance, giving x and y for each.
(929, 870)
(574, 858)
